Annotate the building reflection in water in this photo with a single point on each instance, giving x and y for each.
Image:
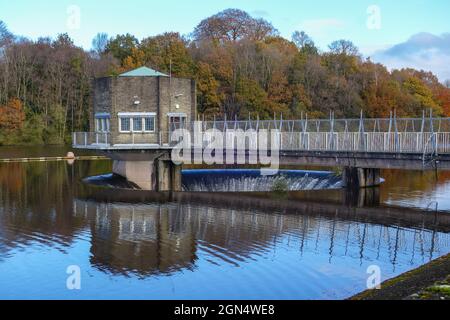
(143, 239)
(166, 237)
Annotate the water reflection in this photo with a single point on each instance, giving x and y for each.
(141, 239)
(132, 244)
(418, 189)
(166, 237)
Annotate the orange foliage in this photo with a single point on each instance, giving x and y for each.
(133, 61)
(443, 96)
(12, 115)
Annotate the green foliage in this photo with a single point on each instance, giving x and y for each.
(251, 98)
(208, 97)
(280, 185)
(120, 46)
(168, 52)
(422, 94)
(55, 131)
(33, 131)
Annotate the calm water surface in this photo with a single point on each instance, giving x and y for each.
(207, 246)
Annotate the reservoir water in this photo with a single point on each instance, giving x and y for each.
(201, 245)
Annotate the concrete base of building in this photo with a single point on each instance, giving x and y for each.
(361, 177)
(158, 175)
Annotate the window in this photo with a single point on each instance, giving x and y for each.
(102, 122)
(177, 121)
(137, 124)
(149, 124)
(125, 124)
(98, 125)
(106, 125)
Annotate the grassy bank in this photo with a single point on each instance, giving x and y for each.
(427, 282)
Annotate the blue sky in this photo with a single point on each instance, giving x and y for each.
(406, 24)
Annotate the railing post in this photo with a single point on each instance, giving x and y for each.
(433, 135)
(418, 134)
(397, 141)
(422, 131)
(331, 140)
(74, 138)
(85, 139)
(362, 135)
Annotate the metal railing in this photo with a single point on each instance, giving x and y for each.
(94, 140)
(393, 135)
(86, 139)
(305, 124)
(405, 142)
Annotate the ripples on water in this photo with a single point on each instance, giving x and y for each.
(195, 246)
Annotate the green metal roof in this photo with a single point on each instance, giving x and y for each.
(143, 72)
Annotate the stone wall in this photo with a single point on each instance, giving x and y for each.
(161, 95)
(176, 96)
(102, 98)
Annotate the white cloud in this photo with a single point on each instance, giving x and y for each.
(423, 51)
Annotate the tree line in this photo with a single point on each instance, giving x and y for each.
(241, 64)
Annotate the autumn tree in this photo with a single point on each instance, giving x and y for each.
(251, 99)
(134, 60)
(233, 25)
(121, 46)
(443, 97)
(423, 95)
(208, 97)
(168, 52)
(12, 115)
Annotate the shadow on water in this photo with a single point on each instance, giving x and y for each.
(283, 245)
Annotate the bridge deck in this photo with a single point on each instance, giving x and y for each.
(413, 143)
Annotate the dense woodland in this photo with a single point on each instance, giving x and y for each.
(242, 66)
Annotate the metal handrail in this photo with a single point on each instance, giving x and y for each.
(433, 152)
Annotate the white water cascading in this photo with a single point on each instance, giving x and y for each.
(253, 181)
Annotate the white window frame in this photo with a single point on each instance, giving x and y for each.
(135, 121)
(154, 124)
(102, 122)
(120, 125)
(135, 115)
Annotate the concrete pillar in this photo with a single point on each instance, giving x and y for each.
(169, 176)
(176, 177)
(159, 175)
(361, 177)
(141, 173)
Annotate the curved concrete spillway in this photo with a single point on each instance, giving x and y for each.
(244, 180)
(254, 181)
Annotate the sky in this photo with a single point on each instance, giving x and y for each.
(402, 33)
